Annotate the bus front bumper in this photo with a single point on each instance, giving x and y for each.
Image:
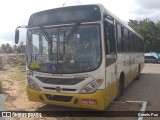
(94, 100)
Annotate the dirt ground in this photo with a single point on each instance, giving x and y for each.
(146, 89)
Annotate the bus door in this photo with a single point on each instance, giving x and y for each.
(110, 53)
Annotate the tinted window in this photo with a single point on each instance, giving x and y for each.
(119, 38)
(125, 40)
(74, 14)
(110, 38)
(150, 57)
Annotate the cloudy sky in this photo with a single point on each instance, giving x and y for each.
(16, 12)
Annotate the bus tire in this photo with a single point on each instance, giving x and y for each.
(121, 86)
(138, 75)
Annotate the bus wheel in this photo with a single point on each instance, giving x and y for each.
(138, 75)
(121, 87)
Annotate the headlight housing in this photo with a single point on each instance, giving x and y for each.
(92, 86)
(32, 84)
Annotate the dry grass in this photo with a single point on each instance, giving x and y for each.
(12, 76)
(16, 73)
(13, 81)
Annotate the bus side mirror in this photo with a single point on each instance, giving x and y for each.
(17, 37)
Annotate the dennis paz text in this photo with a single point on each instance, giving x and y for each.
(150, 114)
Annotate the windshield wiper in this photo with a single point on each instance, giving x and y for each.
(45, 34)
(72, 31)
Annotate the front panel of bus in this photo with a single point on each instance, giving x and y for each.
(65, 63)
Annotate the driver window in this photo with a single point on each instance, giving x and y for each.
(110, 43)
(110, 38)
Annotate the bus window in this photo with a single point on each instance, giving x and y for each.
(125, 40)
(44, 45)
(135, 43)
(129, 41)
(122, 40)
(35, 43)
(119, 38)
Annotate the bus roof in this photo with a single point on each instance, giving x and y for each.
(104, 11)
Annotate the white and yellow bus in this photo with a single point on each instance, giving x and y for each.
(80, 56)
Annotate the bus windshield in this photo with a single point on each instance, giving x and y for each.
(64, 49)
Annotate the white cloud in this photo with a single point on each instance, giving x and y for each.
(4, 41)
(16, 12)
(146, 9)
(148, 4)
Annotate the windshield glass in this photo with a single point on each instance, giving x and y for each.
(64, 49)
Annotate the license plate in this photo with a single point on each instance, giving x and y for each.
(89, 102)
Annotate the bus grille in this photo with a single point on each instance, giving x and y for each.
(59, 98)
(63, 89)
(61, 81)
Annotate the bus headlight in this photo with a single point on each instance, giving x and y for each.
(33, 84)
(92, 86)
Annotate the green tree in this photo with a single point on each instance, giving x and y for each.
(150, 32)
(4, 48)
(8, 48)
(158, 36)
(21, 48)
(15, 48)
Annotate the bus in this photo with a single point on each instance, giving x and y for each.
(80, 56)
